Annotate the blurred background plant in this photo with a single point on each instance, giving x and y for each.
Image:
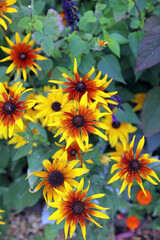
(120, 38)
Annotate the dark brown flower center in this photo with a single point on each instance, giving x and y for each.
(56, 106)
(9, 107)
(80, 86)
(73, 152)
(116, 124)
(56, 178)
(134, 165)
(77, 207)
(22, 56)
(78, 121)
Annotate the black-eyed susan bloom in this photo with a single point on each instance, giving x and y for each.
(75, 208)
(58, 173)
(11, 108)
(117, 130)
(78, 86)
(78, 122)
(46, 106)
(5, 7)
(133, 166)
(22, 55)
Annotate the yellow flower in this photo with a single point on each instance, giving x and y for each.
(5, 8)
(132, 166)
(78, 122)
(117, 130)
(22, 55)
(58, 173)
(11, 108)
(75, 208)
(139, 100)
(46, 106)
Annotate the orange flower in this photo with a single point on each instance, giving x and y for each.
(11, 108)
(22, 55)
(101, 43)
(77, 87)
(132, 222)
(62, 14)
(142, 199)
(133, 166)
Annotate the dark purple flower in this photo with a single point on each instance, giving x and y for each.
(71, 11)
(118, 100)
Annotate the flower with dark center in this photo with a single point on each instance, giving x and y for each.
(56, 178)
(22, 56)
(56, 106)
(5, 7)
(80, 86)
(95, 88)
(56, 175)
(73, 152)
(118, 131)
(70, 14)
(75, 208)
(78, 121)
(52, 103)
(132, 166)
(11, 108)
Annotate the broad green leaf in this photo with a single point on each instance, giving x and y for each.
(47, 45)
(113, 45)
(18, 196)
(135, 40)
(4, 156)
(110, 65)
(151, 112)
(23, 151)
(38, 26)
(128, 115)
(121, 39)
(23, 23)
(78, 46)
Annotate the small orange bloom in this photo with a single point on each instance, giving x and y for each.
(142, 199)
(101, 43)
(132, 222)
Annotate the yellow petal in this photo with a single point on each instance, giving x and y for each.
(27, 37)
(6, 50)
(18, 40)
(140, 147)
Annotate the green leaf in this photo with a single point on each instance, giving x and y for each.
(39, 7)
(86, 63)
(113, 45)
(110, 65)
(128, 115)
(38, 26)
(23, 23)
(4, 153)
(50, 233)
(88, 17)
(23, 151)
(78, 46)
(121, 39)
(18, 197)
(151, 112)
(47, 45)
(135, 40)
(119, 8)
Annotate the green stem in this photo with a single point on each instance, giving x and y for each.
(156, 166)
(81, 154)
(32, 7)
